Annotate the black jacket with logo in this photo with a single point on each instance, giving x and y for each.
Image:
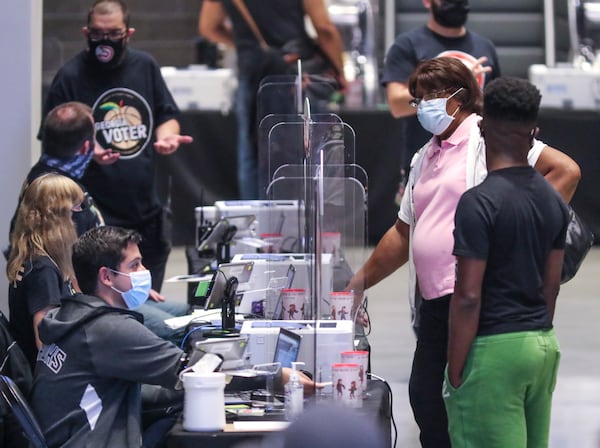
(86, 390)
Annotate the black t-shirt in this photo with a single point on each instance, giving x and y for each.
(42, 285)
(279, 21)
(128, 104)
(421, 44)
(512, 220)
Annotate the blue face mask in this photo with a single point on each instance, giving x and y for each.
(75, 166)
(433, 116)
(141, 283)
(81, 161)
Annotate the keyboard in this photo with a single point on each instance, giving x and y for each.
(237, 398)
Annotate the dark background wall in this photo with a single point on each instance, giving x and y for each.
(168, 29)
(165, 28)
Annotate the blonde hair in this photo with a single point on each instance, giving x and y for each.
(44, 224)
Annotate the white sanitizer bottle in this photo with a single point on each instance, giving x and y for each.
(294, 394)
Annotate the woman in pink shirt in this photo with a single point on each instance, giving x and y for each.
(448, 101)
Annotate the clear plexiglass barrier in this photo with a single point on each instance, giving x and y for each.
(307, 157)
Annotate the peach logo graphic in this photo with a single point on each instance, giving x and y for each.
(123, 122)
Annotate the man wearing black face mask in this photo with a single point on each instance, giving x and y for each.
(451, 14)
(444, 34)
(135, 119)
(106, 50)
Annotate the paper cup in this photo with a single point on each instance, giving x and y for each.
(345, 384)
(340, 305)
(330, 242)
(360, 357)
(273, 241)
(293, 304)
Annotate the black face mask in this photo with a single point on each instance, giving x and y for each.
(451, 14)
(107, 54)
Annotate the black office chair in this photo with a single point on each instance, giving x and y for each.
(14, 400)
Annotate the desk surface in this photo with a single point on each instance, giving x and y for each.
(376, 405)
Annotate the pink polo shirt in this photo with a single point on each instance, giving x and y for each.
(436, 193)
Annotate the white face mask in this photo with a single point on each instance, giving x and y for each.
(433, 116)
(141, 283)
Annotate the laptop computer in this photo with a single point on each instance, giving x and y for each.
(287, 347)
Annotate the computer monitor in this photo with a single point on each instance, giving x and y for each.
(223, 231)
(214, 289)
(251, 286)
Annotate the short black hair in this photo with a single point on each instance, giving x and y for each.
(98, 247)
(105, 6)
(511, 99)
(66, 128)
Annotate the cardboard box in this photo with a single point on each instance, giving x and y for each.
(567, 87)
(200, 88)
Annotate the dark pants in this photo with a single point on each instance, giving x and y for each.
(155, 436)
(161, 408)
(427, 375)
(156, 246)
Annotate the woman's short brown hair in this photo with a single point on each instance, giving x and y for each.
(447, 74)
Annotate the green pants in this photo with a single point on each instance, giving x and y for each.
(505, 397)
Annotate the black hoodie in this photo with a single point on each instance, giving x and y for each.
(86, 390)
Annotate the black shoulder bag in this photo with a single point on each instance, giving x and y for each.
(578, 243)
